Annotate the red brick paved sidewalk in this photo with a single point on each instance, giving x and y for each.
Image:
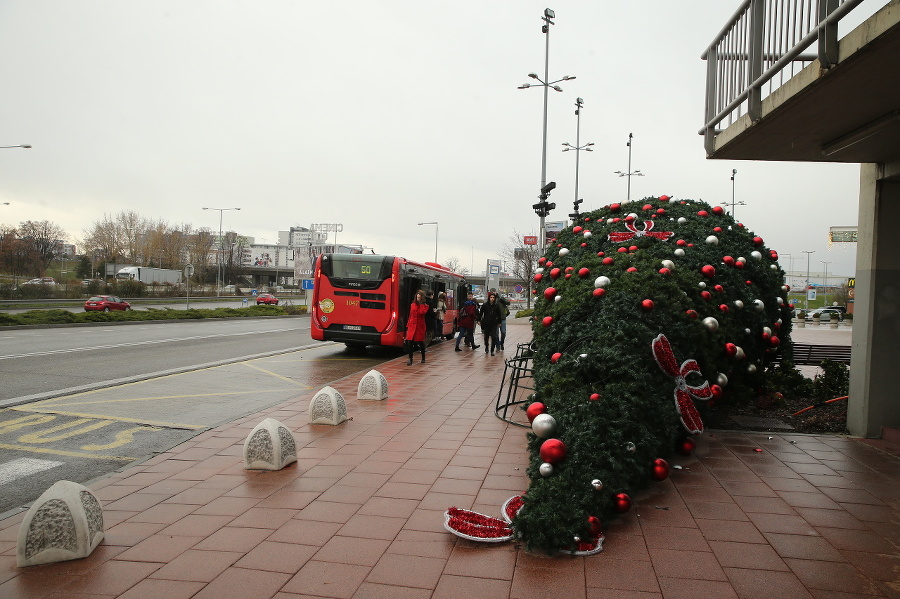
(360, 514)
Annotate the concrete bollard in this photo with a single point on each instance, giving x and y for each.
(327, 407)
(269, 446)
(372, 385)
(65, 523)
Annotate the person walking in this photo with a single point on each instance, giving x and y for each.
(440, 309)
(490, 317)
(504, 312)
(415, 326)
(468, 315)
(429, 315)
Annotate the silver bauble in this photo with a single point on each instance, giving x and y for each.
(712, 240)
(679, 252)
(630, 447)
(748, 331)
(741, 259)
(778, 321)
(601, 282)
(751, 368)
(587, 234)
(682, 220)
(780, 301)
(740, 355)
(785, 288)
(633, 216)
(576, 539)
(563, 252)
(739, 304)
(543, 425)
(758, 305)
(668, 264)
(546, 469)
(773, 267)
(711, 324)
(721, 380)
(609, 221)
(702, 284)
(557, 298)
(767, 330)
(755, 255)
(539, 270)
(597, 484)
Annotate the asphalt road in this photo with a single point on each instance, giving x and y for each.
(80, 402)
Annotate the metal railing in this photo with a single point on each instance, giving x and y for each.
(759, 49)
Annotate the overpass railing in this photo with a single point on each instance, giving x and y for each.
(759, 49)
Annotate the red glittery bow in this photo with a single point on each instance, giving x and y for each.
(665, 357)
(620, 236)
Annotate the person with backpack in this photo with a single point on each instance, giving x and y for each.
(468, 316)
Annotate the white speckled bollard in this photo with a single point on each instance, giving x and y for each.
(327, 407)
(66, 522)
(269, 446)
(372, 385)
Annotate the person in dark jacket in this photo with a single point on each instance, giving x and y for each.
(468, 315)
(504, 310)
(415, 326)
(490, 316)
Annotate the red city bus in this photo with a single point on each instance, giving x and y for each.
(363, 299)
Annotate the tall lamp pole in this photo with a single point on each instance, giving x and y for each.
(221, 249)
(630, 173)
(807, 252)
(579, 104)
(543, 207)
(435, 238)
(825, 286)
(26, 146)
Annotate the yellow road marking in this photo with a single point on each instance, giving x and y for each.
(122, 438)
(42, 436)
(115, 418)
(278, 376)
(15, 424)
(71, 454)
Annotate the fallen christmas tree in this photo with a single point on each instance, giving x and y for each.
(643, 309)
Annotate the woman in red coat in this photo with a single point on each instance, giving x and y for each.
(415, 326)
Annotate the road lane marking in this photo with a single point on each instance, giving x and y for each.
(45, 436)
(122, 438)
(277, 376)
(9, 426)
(61, 452)
(137, 343)
(154, 423)
(21, 467)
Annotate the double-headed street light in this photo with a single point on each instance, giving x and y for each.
(221, 249)
(732, 203)
(26, 146)
(629, 173)
(579, 103)
(435, 238)
(825, 284)
(806, 301)
(543, 207)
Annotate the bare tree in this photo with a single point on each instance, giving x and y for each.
(44, 238)
(16, 256)
(199, 250)
(453, 263)
(521, 260)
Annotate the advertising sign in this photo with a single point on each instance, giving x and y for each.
(529, 240)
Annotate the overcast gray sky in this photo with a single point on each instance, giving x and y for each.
(376, 115)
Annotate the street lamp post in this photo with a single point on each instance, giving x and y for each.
(543, 207)
(579, 103)
(807, 252)
(732, 203)
(221, 249)
(26, 146)
(825, 284)
(435, 238)
(630, 173)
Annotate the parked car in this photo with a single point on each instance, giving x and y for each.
(105, 303)
(826, 313)
(41, 281)
(266, 298)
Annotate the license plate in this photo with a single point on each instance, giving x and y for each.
(352, 327)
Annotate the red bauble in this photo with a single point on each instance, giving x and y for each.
(717, 210)
(729, 260)
(577, 229)
(647, 304)
(621, 502)
(601, 254)
(629, 219)
(584, 245)
(716, 391)
(706, 295)
(660, 469)
(723, 308)
(583, 272)
(616, 219)
(718, 288)
(748, 282)
(717, 229)
(538, 277)
(774, 341)
(534, 409)
(703, 213)
(599, 292)
(681, 243)
(692, 314)
(757, 241)
(730, 350)
(594, 396)
(542, 260)
(608, 261)
(631, 269)
(622, 250)
(739, 265)
(686, 446)
(550, 293)
(595, 527)
(614, 207)
(632, 248)
(568, 275)
(547, 321)
(555, 357)
(647, 207)
(553, 451)
(665, 271)
(554, 273)
(664, 198)
(774, 255)
(660, 211)
(708, 270)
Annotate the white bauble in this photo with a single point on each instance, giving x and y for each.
(739, 304)
(597, 484)
(557, 298)
(679, 252)
(601, 281)
(563, 252)
(755, 255)
(740, 355)
(702, 284)
(758, 305)
(767, 330)
(668, 264)
(543, 425)
(546, 469)
(712, 240)
(751, 368)
(773, 267)
(711, 324)
(539, 270)
(587, 234)
(741, 259)
(682, 220)
(721, 380)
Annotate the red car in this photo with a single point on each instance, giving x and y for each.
(105, 303)
(266, 298)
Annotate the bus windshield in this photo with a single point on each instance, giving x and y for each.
(356, 270)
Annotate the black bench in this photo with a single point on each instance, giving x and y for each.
(807, 354)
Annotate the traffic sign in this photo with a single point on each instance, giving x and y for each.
(307, 284)
(519, 288)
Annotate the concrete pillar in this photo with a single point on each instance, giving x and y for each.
(874, 401)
